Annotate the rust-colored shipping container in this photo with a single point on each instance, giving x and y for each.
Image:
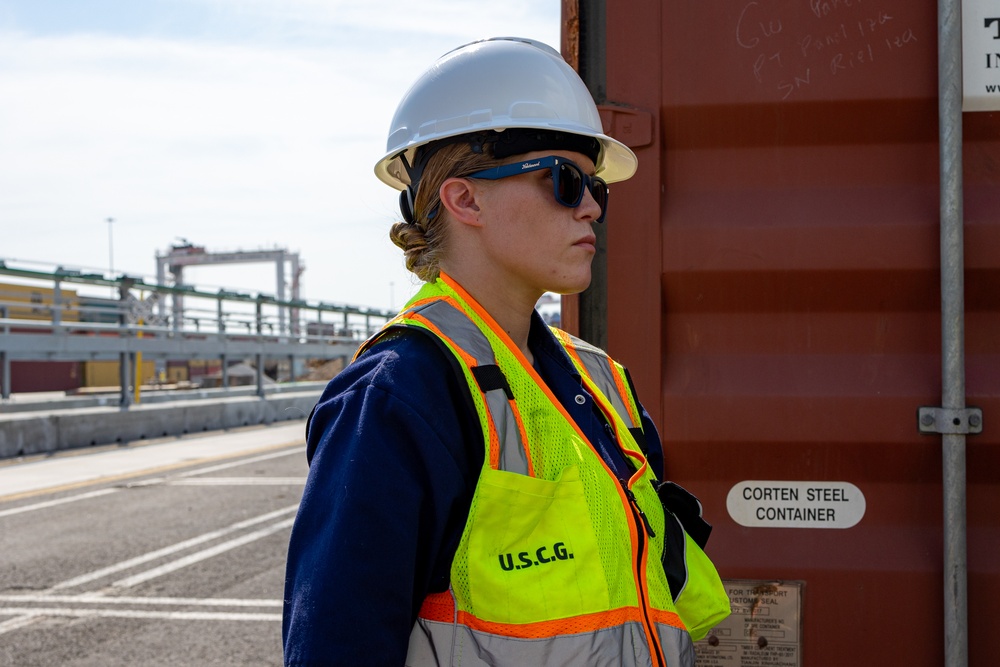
(773, 283)
(40, 376)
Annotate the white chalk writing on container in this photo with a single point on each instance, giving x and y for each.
(795, 48)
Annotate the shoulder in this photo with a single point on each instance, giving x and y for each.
(406, 362)
(407, 377)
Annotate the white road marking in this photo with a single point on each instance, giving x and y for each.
(237, 481)
(172, 566)
(94, 605)
(166, 551)
(132, 613)
(97, 598)
(57, 501)
(235, 464)
(18, 622)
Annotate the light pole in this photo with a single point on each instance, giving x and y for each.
(111, 249)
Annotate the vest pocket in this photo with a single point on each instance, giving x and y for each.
(533, 554)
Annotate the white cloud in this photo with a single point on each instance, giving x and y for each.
(250, 141)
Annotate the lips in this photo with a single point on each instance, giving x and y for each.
(589, 240)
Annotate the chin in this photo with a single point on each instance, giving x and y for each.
(572, 287)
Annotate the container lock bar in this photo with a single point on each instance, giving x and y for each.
(949, 421)
(633, 127)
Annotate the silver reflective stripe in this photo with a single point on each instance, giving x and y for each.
(434, 644)
(677, 646)
(598, 367)
(513, 458)
(464, 332)
(457, 326)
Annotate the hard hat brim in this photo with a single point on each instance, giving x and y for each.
(615, 163)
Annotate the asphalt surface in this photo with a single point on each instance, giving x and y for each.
(168, 553)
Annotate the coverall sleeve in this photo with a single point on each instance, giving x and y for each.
(393, 464)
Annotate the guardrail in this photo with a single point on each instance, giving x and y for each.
(44, 320)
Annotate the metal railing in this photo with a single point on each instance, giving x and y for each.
(42, 319)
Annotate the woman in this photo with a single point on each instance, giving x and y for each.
(482, 489)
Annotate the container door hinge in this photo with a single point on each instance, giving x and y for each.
(950, 422)
(633, 127)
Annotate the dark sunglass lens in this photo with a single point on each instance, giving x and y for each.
(599, 190)
(570, 185)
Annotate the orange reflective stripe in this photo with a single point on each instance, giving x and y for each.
(624, 392)
(439, 607)
(661, 617)
(563, 626)
(571, 349)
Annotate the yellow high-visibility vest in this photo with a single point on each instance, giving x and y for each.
(559, 561)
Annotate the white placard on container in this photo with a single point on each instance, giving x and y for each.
(788, 504)
(980, 55)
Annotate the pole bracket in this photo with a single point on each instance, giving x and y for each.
(945, 421)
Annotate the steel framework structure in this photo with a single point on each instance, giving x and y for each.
(188, 254)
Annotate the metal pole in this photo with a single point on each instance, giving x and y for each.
(280, 262)
(124, 358)
(56, 302)
(260, 375)
(4, 362)
(260, 340)
(222, 338)
(592, 67)
(952, 329)
(178, 299)
(124, 372)
(111, 252)
(4, 375)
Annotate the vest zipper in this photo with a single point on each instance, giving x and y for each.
(636, 509)
(641, 522)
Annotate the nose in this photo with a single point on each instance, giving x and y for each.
(588, 209)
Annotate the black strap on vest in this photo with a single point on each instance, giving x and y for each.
(490, 378)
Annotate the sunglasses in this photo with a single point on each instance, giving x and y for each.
(568, 180)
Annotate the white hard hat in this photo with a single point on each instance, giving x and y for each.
(497, 84)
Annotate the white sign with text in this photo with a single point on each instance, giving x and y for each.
(786, 504)
(980, 55)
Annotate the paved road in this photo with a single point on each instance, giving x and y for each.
(169, 553)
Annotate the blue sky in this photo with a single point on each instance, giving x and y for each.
(235, 124)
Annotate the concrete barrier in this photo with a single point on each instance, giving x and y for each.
(30, 433)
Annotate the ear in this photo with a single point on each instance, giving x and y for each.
(461, 197)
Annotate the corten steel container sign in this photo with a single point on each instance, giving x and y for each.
(773, 286)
